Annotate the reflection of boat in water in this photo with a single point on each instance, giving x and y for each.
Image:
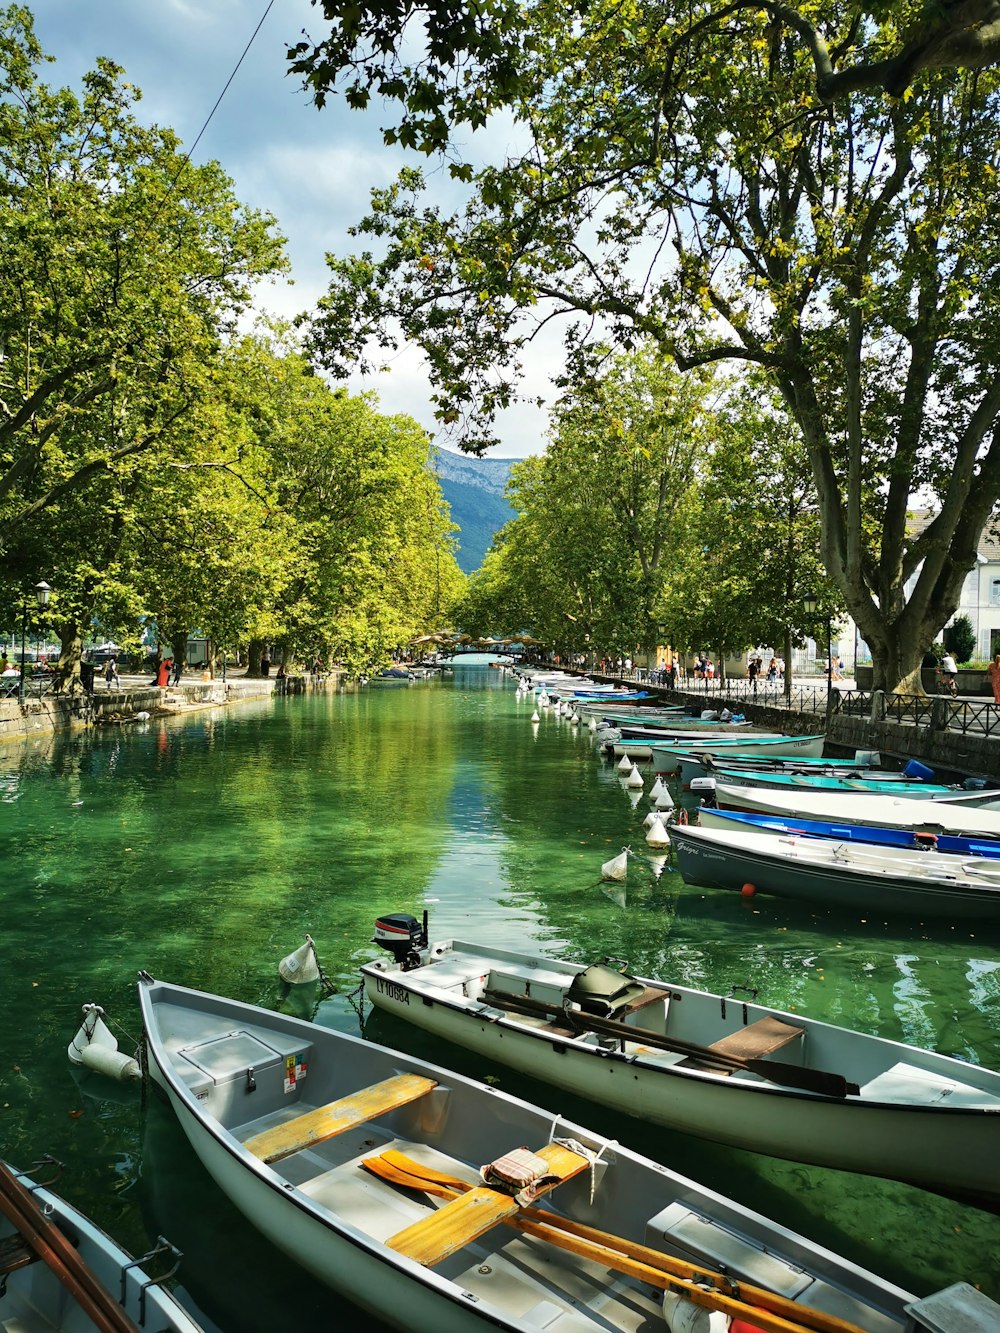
(60, 1271)
(380, 1191)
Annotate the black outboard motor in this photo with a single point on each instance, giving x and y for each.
(403, 936)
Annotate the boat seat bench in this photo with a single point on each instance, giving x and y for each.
(758, 1039)
(464, 1219)
(752, 1042)
(313, 1127)
(15, 1253)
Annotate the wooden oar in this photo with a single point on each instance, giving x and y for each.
(819, 1081)
(57, 1252)
(478, 1209)
(766, 1309)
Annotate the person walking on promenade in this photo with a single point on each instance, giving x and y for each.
(111, 673)
(176, 675)
(994, 670)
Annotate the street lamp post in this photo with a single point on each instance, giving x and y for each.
(42, 591)
(810, 604)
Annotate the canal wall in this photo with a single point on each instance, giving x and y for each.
(39, 716)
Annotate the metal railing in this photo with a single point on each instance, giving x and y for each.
(939, 712)
(34, 687)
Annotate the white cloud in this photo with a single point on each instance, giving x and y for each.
(312, 169)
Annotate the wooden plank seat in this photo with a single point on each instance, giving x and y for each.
(461, 1221)
(752, 1042)
(326, 1121)
(15, 1253)
(649, 996)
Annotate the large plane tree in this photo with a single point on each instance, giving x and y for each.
(808, 189)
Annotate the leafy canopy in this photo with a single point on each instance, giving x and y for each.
(807, 189)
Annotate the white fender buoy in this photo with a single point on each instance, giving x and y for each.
(634, 779)
(300, 966)
(657, 837)
(681, 1315)
(656, 788)
(142, 717)
(646, 823)
(592, 724)
(574, 720)
(664, 801)
(94, 1047)
(617, 867)
(625, 764)
(535, 717)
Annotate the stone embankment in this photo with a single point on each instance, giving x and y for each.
(39, 716)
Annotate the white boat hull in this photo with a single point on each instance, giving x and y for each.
(889, 811)
(667, 759)
(922, 1140)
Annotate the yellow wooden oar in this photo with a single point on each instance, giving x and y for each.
(766, 1309)
(477, 1209)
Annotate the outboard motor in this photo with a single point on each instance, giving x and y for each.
(403, 936)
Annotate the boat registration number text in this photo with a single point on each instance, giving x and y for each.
(393, 990)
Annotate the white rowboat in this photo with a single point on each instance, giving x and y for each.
(884, 810)
(742, 1074)
(407, 1188)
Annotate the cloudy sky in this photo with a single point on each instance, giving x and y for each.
(312, 169)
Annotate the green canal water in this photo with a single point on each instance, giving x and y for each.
(204, 849)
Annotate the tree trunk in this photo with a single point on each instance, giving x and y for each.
(255, 652)
(897, 648)
(69, 679)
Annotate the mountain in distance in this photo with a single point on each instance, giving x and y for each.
(474, 489)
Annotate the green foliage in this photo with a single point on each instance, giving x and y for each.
(752, 552)
(121, 268)
(960, 639)
(602, 516)
(151, 462)
(731, 183)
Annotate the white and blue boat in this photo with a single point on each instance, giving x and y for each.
(839, 874)
(971, 812)
(791, 825)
